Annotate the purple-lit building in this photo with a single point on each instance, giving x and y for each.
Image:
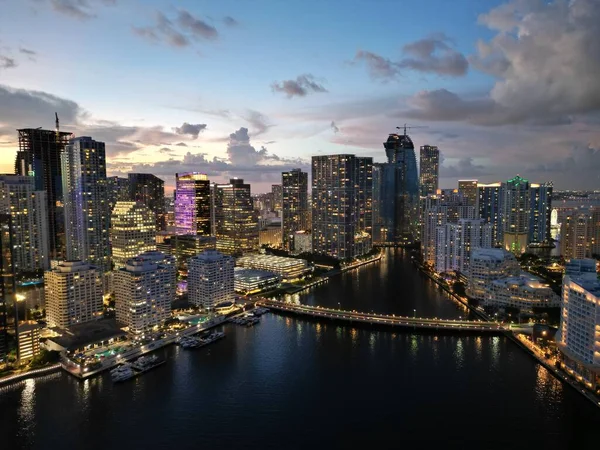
(193, 204)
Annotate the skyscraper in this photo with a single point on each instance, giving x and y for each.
(236, 222)
(144, 290)
(515, 214)
(73, 294)
(193, 204)
(7, 280)
(86, 206)
(133, 232)
(29, 211)
(468, 189)
(342, 198)
(576, 234)
(149, 190)
(454, 243)
(210, 279)
(396, 193)
(541, 209)
(39, 156)
(117, 191)
(490, 209)
(277, 192)
(294, 204)
(429, 170)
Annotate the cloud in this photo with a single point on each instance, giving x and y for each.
(198, 28)
(163, 31)
(230, 21)
(463, 168)
(78, 9)
(434, 55)
(258, 122)
(7, 63)
(334, 127)
(28, 52)
(181, 144)
(177, 32)
(191, 129)
(300, 87)
(582, 163)
(379, 67)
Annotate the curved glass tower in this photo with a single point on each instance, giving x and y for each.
(396, 193)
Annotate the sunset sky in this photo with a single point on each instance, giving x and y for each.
(250, 88)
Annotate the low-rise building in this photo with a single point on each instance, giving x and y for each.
(29, 340)
(523, 292)
(487, 265)
(286, 268)
(249, 281)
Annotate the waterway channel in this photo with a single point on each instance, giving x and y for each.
(294, 383)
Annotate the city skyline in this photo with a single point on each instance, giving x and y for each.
(178, 107)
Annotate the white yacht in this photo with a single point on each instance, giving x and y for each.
(122, 373)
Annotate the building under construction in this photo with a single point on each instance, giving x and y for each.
(39, 156)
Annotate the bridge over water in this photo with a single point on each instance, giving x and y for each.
(382, 319)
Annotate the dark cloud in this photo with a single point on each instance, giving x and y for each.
(190, 129)
(165, 150)
(334, 127)
(434, 55)
(7, 63)
(181, 144)
(79, 9)
(582, 164)
(464, 168)
(197, 27)
(28, 52)
(230, 21)
(300, 87)
(379, 67)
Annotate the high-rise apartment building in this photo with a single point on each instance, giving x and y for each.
(117, 191)
(577, 228)
(277, 193)
(7, 280)
(578, 339)
(396, 194)
(73, 294)
(188, 245)
(469, 191)
(193, 204)
(28, 209)
(541, 210)
(294, 205)
(490, 209)
(455, 241)
(210, 279)
(342, 198)
(149, 190)
(516, 213)
(133, 232)
(144, 290)
(39, 156)
(236, 222)
(429, 170)
(86, 205)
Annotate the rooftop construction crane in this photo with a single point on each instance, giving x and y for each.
(406, 126)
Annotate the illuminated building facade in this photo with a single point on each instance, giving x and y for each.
(342, 197)
(144, 290)
(469, 191)
(39, 156)
(149, 190)
(236, 222)
(429, 170)
(73, 294)
(132, 233)
(287, 268)
(186, 246)
(210, 279)
(28, 209)
(487, 265)
(294, 205)
(193, 204)
(7, 280)
(541, 210)
(86, 205)
(490, 209)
